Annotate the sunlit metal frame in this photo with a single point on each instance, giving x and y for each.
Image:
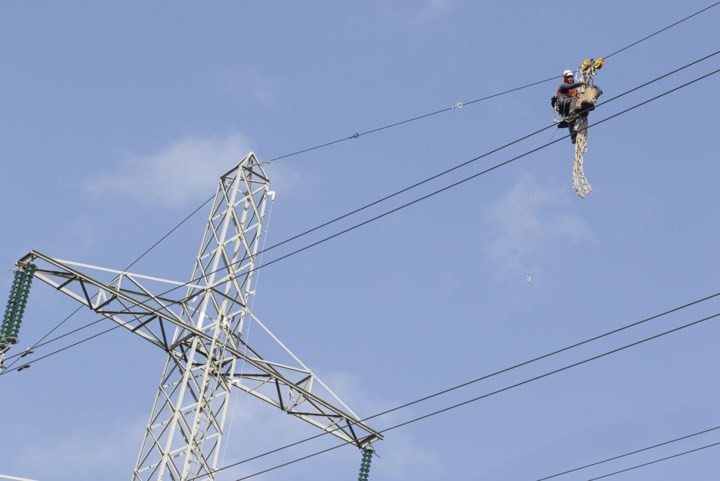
(202, 332)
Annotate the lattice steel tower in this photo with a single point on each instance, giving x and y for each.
(205, 336)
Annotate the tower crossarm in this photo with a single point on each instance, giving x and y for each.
(123, 298)
(128, 300)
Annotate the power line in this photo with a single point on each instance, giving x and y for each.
(457, 183)
(478, 174)
(476, 158)
(69, 333)
(687, 436)
(463, 164)
(663, 29)
(418, 183)
(481, 99)
(394, 210)
(556, 371)
(26, 365)
(656, 461)
(498, 391)
(474, 176)
(486, 376)
(357, 135)
(490, 169)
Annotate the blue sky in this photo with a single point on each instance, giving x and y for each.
(117, 118)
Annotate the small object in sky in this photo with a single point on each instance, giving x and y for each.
(26, 366)
(528, 278)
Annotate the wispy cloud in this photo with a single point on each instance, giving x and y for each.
(419, 13)
(184, 171)
(527, 217)
(433, 8)
(250, 85)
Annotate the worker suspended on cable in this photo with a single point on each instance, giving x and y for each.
(565, 102)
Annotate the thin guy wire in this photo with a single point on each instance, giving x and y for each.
(493, 393)
(413, 119)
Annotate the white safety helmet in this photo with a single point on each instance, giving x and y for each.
(568, 73)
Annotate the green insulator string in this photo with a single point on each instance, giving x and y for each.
(10, 309)
(365, 464)
(16, 306)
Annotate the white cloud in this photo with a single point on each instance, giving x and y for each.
(182, 172)
(521, 222)
(286, 180)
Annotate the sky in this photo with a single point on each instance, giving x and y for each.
(117, 118)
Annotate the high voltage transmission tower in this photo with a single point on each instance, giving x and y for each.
(205, 334)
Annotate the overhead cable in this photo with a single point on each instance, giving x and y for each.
(458, 105)
(498, 391)
(443, 189)
(354, 136)
(665, 443)
(656, 461)
(486, 154)
(487, 376)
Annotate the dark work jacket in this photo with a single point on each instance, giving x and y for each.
(568, 90)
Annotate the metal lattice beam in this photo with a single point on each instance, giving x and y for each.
(203, 332)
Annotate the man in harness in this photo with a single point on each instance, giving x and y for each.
(565, 102)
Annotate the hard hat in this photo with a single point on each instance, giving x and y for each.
(568, 73)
